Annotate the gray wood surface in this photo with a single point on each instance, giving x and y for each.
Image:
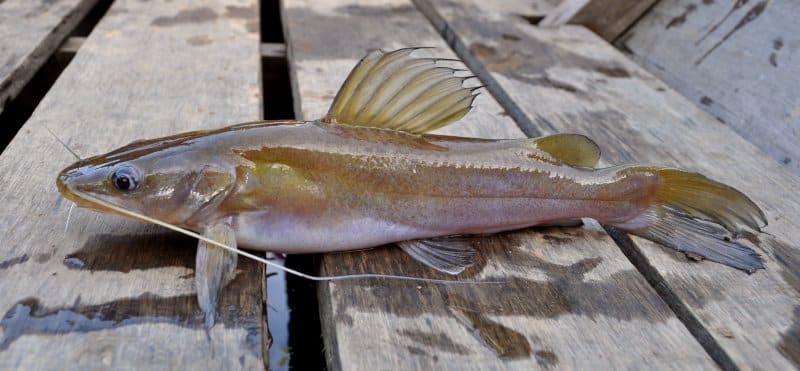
(569, 80)
(738, 60)
(607, 18)
(572, 299)
(109, 293)
(532, 11)
(31, 31)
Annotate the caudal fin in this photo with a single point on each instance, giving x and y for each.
(694, 214)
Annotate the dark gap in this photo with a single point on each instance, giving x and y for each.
(631, 25)
(631, 251)
(18, 110)
(684, 314)
(87, 24)
(277, 89)
(305, 335)
(532, 19)
(271, 30)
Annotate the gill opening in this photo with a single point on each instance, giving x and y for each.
(264, 261)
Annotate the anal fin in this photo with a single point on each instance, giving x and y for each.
(446, 254)
(215, 267)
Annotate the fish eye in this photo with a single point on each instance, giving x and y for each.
(126, 178)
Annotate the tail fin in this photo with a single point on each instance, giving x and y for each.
(694, 214)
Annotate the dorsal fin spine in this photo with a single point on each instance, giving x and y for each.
(381, 99)
(425, 100)
(346, 91)
(452, 110)
(411, 92)
(455, 113)
(397, 91)
(366, 87)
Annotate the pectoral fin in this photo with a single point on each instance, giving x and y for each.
(214, 268)
(446, 254)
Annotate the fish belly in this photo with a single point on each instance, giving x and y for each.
(291, 234)
(404, 220)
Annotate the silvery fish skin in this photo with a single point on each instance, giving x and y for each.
(312, 187)
(368, 174)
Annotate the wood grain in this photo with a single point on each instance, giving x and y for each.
(111, 293)
(569, 80)
(739, 61)
(607, 18)
(31, 31)
(571, 299)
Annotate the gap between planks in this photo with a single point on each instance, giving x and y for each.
(684, 314)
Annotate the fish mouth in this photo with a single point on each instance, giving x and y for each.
(68, 192)
(65, 182)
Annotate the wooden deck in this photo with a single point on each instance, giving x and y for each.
(739, 61)
(110, 293)
(31, 32)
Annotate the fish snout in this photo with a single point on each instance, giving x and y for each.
(65, 177)
(69, 180)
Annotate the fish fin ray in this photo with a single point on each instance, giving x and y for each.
(692, 213)
(394, 90)
(572, 149)
(215, 267)
(450, 254)
(690, 235)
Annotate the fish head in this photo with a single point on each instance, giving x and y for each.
(176, 180)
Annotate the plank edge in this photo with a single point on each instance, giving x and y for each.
(37, 57)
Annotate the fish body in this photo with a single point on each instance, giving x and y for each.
(334, 187)
(368, 174)
(313, 187)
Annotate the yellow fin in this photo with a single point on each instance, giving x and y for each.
(572, 149)
(694, 214)
(397, 91)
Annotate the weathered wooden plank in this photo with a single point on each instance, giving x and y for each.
(572, 300)
(111, 293)
(607, 18)
(531, 11)
(738, 60)
(569, 80)
(30, 31)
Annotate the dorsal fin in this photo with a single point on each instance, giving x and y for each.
(572, 149)
(397, 91)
